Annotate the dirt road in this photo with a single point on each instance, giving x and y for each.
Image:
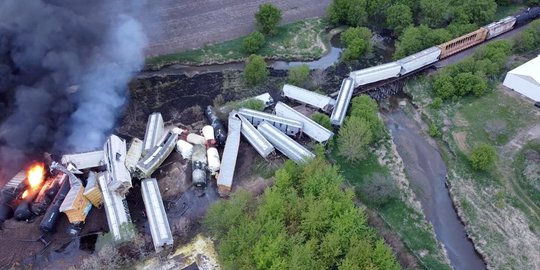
(174, 26)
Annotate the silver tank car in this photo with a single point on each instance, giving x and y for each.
(199, 164)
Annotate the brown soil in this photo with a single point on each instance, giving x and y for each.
(174, 26)
(461, 141)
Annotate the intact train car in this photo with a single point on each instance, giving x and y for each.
(463, 42)
(527, 15)
(502, 26)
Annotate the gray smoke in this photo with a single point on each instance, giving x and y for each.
(64, 70)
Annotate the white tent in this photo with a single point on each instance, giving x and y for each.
(525, 79)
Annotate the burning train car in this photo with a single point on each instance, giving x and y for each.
(9, 194)
(47, 193)
(35, 178)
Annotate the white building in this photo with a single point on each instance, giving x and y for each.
(525, 79)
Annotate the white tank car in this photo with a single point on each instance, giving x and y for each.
(375, 74)
(195, 139)
(208, 134)
(185, 149)
(213, 160)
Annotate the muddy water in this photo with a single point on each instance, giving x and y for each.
(427, 173)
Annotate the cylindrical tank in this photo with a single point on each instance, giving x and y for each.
(48, 224)
(213, 160)
(208, 134)
(178, 130)
(8, 203)
(195, 139)
(220, 134)
(185, 148)
(39, 206)
(22, 212)
(198, 166)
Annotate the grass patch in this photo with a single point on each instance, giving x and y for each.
(302, 40)
(406, 221)
(529, 183)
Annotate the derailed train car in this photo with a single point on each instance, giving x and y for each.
(220, 133)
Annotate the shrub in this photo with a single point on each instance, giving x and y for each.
(253, 43)
(298, 75)
(367, 109)
(436, 103)
(322, 119)
(483, 157)
(378, 189)
(255, 71)
(434, 131)
(268, 18)
(254, 104)
(399, 17)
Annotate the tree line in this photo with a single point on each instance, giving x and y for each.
(304, 221)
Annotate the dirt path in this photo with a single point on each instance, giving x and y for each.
(174, 26)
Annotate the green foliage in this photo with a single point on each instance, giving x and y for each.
(434, 13)
(298, 75)
(443, 86)
(268, 18)
(322, 119)
(479, 11)
(434, 131)
(304, 221)
(349, 12)
(253, 43)
(415, 39)
(255, 71)
(378, 189)
(399, 17)
(254, 104)
(366, 108)
(357, 42)
(529, 39)
(483, 157)
(354, 137)
(436, 103)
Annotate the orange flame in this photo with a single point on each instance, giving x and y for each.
(35, 175)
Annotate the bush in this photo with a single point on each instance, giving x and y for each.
(253, 43)
(483, 157)
(322, 119)
(254, 104)
(268, 18)
(436, 103)
(354, 137)
(349, 12)
(367, 109)
(255, 71)
(298, 75)
(378, 189)
(434, 131)
(357, 41)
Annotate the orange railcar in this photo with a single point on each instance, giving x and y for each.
(463, 42)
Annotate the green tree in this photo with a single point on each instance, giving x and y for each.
(415, 39)
(436, 103)
(483, 157)
(357, 42)
(349, 12)
(480, 11)
(399, 17)
(268, 18)
(367, 109)
(298, 75)
(322, 119)
(354, 138)
(443, 86)
(255, 71)
(434, 12)
(434, 131)
(253, 43)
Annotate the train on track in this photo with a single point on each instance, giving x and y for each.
(431, 55)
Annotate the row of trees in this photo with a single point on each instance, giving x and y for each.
(304, 221)
(529, 39)
(362, 128)
(471, 75)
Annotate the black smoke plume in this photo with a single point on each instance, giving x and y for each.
(64, 69)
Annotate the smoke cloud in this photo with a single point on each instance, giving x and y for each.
(64, 70)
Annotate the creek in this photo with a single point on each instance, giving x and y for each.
(427, 173)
